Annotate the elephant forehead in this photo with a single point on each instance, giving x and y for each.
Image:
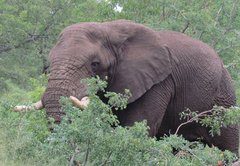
(70, 48)
(84, 31)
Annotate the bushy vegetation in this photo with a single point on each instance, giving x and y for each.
(89, 138)
(28, 31)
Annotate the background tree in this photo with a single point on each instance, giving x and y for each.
(29, 29)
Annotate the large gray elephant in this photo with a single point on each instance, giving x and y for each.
(165, 71)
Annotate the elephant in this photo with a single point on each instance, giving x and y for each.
(166, 72)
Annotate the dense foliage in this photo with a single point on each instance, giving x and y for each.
(28, 31)
(89, 138)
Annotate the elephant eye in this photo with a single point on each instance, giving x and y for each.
(95, 65)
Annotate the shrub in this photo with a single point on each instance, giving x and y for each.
(89, 138)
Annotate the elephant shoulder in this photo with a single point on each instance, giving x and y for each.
(184, 47)
(177, 40)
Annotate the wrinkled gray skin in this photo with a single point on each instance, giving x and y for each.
(165, 71)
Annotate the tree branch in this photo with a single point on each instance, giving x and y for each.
(234, 5)
(73, 157)
(86, 158)
(34, 37)
(179, 12)
(192, 119)
(227, 48)
(215, 23)
(186, 27)
(200, 35)
(106, 161)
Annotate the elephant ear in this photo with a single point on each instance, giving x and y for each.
(142, 56)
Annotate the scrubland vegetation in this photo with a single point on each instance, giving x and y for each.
(30, 29)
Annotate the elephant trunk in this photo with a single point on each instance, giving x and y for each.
(50, 100)
(58, 88)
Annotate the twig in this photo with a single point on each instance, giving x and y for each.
(192, 119)
(18, 124)
(159, 157)
(202, 4)
(234, 5)
(76, 163)
(200, 35)
(212, 149)
(195, 157)
(224, 33)
(73, 157)
(106, 161)
(227, 48)
(215, 23)
(163, 13)
(20, 5)
(179, 12)
(186, 27)
(86, 158)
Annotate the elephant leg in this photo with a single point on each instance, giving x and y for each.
(151, 106)
(228, 140)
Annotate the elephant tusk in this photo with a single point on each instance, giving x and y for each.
(80, 104)
(24, 108)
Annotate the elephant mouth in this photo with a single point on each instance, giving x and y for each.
(77, 103)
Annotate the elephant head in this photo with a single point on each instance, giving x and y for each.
(131, 55)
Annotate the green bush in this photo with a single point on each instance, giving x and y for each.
(89, 138)
(12, 92)
(39, 87)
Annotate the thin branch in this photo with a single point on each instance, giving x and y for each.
(179, 12)
(33, 38)
(86, 158)
(215, 23)
(202, 4)
(192, 119)
(201, 35)
(234, 5)
(224, 33)
(76, 163)
(163, 13)
(73, 157)
(195, 157)
(17, 46)
(106, 161)
(227, 48)
(212, 149)
(213, 40)
(20, 125)
(20, 5)
(186, 27)
(164, 157)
